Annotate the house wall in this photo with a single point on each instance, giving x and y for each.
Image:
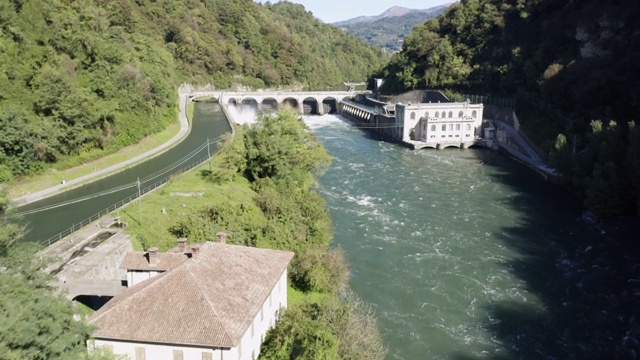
(249, 348)
(264, 320)
(136, 276)
(144, 351)
(421, 117)
(436, 131)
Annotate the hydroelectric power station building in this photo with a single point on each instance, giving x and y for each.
(433, 122)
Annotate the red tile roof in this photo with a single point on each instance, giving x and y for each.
(210, 300)
(139, 260)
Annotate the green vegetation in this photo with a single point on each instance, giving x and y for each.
(261, 191)
(52, 176)
(389, 33)
(36, 322)
(566, 62)
(79, 80)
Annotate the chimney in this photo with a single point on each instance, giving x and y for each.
(222, 237)
(182, 244)
(153, 256)
(195, 252)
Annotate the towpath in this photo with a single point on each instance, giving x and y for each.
(182, 133)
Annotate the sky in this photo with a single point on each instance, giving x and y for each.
(337, 10)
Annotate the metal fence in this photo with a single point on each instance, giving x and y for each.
(77, 226)
(490, 100)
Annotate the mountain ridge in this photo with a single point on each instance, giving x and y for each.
(394, 11)
(388, 30)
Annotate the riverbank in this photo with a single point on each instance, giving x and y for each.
(42, 187)
(276, 208)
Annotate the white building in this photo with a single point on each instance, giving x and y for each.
(439, 125)
(213, 302)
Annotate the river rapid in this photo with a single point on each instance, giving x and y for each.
(465, 254)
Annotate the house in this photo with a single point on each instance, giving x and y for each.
(210, 302)
(141, 266)
(439, 125)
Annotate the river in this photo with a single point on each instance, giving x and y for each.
(465, 254)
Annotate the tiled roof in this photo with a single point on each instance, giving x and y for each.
(210, 300)
(139, 260)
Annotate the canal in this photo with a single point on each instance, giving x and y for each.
(50, 216)
(465, 254)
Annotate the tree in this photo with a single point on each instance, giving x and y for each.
(37, 323)
(335, 327)
(282, 148)
(301, 334)
(231, 157)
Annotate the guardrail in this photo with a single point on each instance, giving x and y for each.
(77, 226)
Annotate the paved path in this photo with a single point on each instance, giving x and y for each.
(517, 147)
(184, 130)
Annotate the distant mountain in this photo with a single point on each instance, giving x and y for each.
(388, 29)
(394, 11)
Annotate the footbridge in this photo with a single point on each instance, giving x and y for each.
(305, 102)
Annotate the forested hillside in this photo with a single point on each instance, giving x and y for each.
(572, 66)
(79, 79)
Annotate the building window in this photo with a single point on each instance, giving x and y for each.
(468, 127)
(178, 355)
(458, 127)
(450, 127)
(413, 115)
(140, 353)
(433, 136)
(450, 135)
(207, 356)
(437, 114)
(444, 127)
(467, 135)
(474, 114)
(433, 128)
(450, 114)
(460, 114)
(443, 136)
(457, 135)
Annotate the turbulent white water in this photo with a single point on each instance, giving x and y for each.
(463, 253)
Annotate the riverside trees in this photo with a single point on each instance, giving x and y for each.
(266, 197)
(282, 158)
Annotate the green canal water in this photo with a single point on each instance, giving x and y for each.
(465, 254)
(49, 219)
